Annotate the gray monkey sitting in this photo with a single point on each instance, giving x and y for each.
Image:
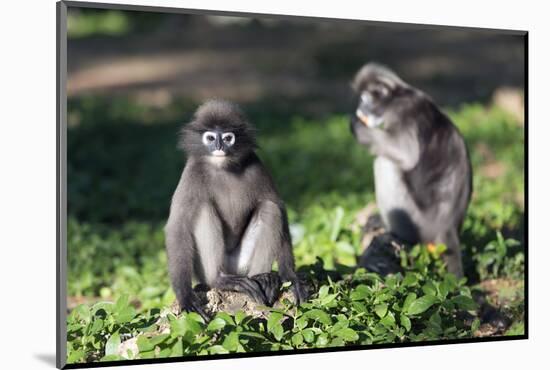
(227, 223)
(422, 170)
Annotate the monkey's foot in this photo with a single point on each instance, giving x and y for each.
(300, 291)
(270, 283)
(382, 255)
(243, 284)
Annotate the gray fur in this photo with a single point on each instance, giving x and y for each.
(227, 222)
(422, 170)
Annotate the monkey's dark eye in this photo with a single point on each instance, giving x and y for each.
(208, 137)
(228, 138)
(379, 92)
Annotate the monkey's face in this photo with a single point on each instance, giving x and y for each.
(378, 92)
(373, 101)
(218, 143)
(220, 133)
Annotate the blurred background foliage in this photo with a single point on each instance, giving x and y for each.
(135, 78)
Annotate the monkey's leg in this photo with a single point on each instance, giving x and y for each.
(274, 243)
(211, 247)
(452, 256)
(255, 255)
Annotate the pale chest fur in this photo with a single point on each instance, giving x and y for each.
(232, 197)
(392, 193)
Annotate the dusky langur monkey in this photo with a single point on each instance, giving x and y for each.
(227, 223)
(422, 170)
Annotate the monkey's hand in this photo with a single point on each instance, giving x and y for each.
(193, 304)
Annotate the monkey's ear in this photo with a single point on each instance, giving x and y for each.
(187, 137)
(355, 85)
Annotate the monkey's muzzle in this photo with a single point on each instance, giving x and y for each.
(218, 153)
(371, 121)
(362, 117)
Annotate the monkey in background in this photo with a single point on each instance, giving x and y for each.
(422, 169)
(227, 223)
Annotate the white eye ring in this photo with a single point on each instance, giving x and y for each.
(366, 97)
(231, 137)
(208, 137)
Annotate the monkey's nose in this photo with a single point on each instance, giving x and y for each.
(218, 145)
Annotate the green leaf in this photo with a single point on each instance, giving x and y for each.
(277, 331)
(225, 317)
(195, 317)
(435, 319)
(239, 317)
(125, 314)
(76, 356)
(336, 224)
(475, 325)
(83, 312)
(217, 349)
(309, 335)
(301, 322)
(144, 344)
(464, 302)
(340, 324)
(388, 321)
(408, 300)
(319, 315)
(112, 357)
(251, 334)
(429, 288)
(185, 325)
(323, 291)
(231, 342)
(347, 334)
(381, 310)
(97, 325)
(345, 247)
(405, 322)
(274, 319)
(111, 347)
(410, 279)
(121, 303)
(421, 304)
(297, 339)
(322, 340)
(216, 324)
(328, 299)
(158, 339)
(177, 348)
(360, 293)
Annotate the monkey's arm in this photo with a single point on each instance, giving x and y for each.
(180, 243)
(401, 148)
(285, 261)
(180, 249)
